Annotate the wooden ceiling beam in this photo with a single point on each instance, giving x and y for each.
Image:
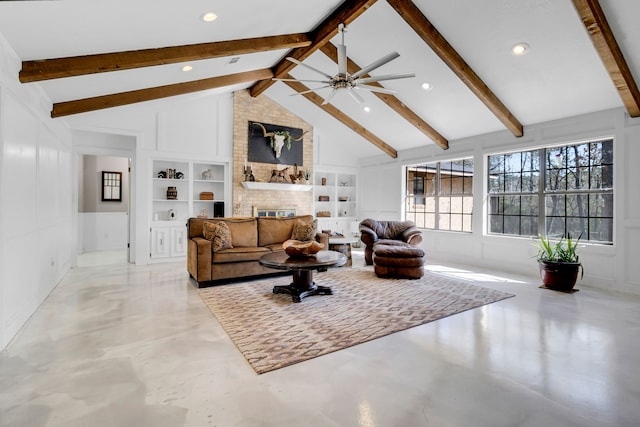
(131, 97)
(46, 69)
(436, 41)
(343, 118)
(345, 14)
(607, 47)
(394, 103)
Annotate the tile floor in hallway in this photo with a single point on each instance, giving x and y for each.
(135, 346)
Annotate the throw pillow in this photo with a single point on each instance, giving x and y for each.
(219, 234)
(304, 231)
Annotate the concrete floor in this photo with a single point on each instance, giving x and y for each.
(135, 346)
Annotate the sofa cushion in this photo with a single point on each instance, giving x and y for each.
(238, 254)
(272, 230)
(219, 234)
(304, 231)
(243, 232)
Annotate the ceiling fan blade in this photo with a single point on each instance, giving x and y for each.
(376, 89)
(342, 60)
(328, 98)
(386, 77)
(302, 80)
(356, 96)
(295, 61)
(308, 91)
(379, 63)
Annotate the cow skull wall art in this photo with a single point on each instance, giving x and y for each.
(278, 138)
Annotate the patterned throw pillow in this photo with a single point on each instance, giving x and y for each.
(304, 231)
(219, 234)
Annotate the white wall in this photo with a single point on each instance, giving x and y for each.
(196, 127)
(610, 267)
(36, 198)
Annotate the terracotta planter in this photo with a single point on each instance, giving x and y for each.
(561, 276)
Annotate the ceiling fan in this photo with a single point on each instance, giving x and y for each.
(346, 81)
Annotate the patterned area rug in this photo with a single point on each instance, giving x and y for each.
(272, 332)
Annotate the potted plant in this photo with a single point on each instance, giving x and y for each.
(558, 263)
(307, 176)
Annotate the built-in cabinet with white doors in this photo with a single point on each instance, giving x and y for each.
(335, 201)
(179, 190)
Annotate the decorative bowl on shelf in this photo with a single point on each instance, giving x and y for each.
(299, 249)
(343, 198)
(323, 214)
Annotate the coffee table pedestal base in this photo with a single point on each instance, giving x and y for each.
(302, 286)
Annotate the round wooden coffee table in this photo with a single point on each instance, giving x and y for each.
(302, 270)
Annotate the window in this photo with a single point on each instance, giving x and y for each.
(439, 195)
(111, 186)
(554, 191)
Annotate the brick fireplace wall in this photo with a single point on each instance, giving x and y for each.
(264, 110)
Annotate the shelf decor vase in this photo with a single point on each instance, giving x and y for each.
(172, 193)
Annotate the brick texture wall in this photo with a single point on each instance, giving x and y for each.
(264, 110)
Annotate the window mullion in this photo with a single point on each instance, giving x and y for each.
(542, 180)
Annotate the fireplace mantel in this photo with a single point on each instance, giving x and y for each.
(275, 186)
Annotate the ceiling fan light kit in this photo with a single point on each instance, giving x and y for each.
(345, 81)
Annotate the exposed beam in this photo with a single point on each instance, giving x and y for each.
(345, 14)
(45, 69)
(330, 50)
(421, 25)
(605, 43)
(124, 98)
(341, 117)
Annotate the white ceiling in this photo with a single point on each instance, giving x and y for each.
(560, 76)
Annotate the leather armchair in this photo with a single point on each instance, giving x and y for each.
(399, 233)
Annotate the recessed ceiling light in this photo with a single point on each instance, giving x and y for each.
(209, 16)
(427, 86)
(520, 49)
(187, 68)
(366, 109)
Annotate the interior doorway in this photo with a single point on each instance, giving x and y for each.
(104, 198)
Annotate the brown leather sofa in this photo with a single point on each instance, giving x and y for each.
(394, 233)
(251, 239)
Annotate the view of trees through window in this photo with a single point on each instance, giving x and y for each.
(439, 195)
(553, 191)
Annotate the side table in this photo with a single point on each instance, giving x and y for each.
(342, 245)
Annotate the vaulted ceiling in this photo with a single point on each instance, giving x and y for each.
(90, 55)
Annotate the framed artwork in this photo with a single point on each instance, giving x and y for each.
(261, 147)
(111, 186)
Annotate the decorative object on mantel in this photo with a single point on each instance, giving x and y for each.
(279, 175)
(268, 143)
(307, 176)
(172, 193)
